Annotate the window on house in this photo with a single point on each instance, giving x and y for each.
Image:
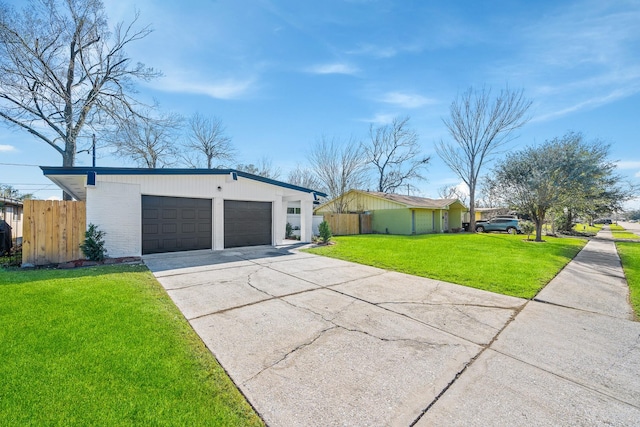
(293, 210)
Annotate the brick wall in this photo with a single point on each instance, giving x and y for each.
(116, 209)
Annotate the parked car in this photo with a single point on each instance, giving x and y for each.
(602, 221)
(510, 225)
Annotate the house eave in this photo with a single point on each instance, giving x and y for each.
(52, 172)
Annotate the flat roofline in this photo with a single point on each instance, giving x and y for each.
(83, 170)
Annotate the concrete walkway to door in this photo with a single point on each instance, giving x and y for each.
(314, 341)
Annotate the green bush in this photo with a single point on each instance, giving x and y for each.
(93, 245)
(288, 231)
(527, 228)
(325, 231)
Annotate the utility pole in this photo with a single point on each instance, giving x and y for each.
(93, 151)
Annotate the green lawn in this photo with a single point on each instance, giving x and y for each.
(105, 346)
(630, 257)
(619, 232)
(499, 263)
(587, 229)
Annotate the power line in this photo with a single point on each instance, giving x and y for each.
(23, 183)
(18, 164)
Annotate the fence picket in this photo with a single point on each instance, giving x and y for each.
(52, 231)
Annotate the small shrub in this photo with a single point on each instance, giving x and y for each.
(93, 245)
(325, 231)
(527, 228)
(288, 231)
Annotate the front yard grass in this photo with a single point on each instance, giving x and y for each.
(619, 232)
(587, 229)
(105, 346)
(630, 257)
(499, 263)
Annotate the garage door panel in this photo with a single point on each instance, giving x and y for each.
(204, 227)
(169, 228)
(150, 214)
(149, 229)
(188, 214)
(247, 223)
(169, 213)
(171, 224)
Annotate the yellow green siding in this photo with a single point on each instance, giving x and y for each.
(455, 218)
(392, 221)
(424, 221)
(360, 202)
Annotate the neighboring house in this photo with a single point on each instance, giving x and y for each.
(293, 218)
(398, 214)
(487, 213)
(12, 212)
(144, 211)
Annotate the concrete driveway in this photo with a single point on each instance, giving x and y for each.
(313, 341)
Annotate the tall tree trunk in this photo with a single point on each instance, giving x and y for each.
(68, 161)
(472, 209)
(539, 230)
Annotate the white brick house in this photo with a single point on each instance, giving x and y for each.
(147, 211)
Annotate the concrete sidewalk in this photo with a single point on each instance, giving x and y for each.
(314, 341)
(570, 357)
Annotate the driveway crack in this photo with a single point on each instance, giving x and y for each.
(255, 287)
(515, 307)
(291, 352)
(360, 331)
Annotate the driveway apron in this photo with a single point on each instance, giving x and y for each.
(314, 341)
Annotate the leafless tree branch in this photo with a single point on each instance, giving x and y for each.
(479, 125)
(394, 152)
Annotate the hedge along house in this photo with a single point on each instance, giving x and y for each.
(146, 211)
(398, 214)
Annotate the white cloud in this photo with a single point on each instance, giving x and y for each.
(406, 100)
(224, 89)
(336, 68)
(380, 119)
(375, 51)
(595, 64)
(629, 164)
(7, 148)
(588, 104)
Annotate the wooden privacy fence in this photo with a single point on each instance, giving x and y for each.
(347, 224)
(52, 231)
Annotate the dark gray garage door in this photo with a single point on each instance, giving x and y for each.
(171, 224)
(246, 223)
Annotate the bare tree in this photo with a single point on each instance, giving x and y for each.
(303, 177)
(62, 70)
(340, 167)
(263, 168)
(479, 125)
(394, 152)
(150, 142)
(452, 192)
(491, 197)
(207, 139)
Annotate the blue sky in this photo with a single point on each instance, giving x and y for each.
(280, 74)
